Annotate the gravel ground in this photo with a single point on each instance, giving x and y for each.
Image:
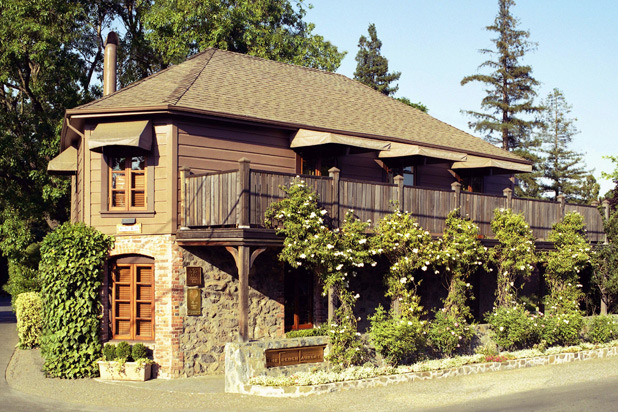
(206, 393)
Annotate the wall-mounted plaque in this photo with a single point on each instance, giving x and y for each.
(194, 302)
(294, 356)
(194, 276)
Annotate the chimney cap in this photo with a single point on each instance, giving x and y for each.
(112, 38)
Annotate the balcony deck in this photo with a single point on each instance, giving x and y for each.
(227, 208)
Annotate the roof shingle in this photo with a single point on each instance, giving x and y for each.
(239, 85)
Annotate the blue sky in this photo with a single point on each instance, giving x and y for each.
(434, 44)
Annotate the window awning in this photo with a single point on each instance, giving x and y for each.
(304, 138)
(132, 134)
(476, 162)
(65, 163)
(403, 150)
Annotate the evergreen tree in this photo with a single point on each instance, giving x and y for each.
(420, 106)
(562, 169)
(510, 87)
(372, 67)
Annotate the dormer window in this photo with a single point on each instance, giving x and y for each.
(127, 183)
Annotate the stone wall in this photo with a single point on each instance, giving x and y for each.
(245, 360)
(204, 337)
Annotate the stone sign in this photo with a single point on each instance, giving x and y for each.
(294, 356)
(194, 276)
(194, 302)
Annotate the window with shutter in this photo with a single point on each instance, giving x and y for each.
(127, 183)
(132, 301)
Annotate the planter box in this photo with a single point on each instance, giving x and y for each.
(130, 371)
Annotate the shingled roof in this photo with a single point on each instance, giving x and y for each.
(235, 85)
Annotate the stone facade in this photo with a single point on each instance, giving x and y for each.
(168, 296)
(203, 337)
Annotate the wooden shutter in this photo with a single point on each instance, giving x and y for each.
(133, 301)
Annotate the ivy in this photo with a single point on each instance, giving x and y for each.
(411, 251)
(71, 267)
(334, 255)
(514, 255)
(461, 255)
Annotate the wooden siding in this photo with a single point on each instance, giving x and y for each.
(214, 200)
(211, 147)
(157, 221)
(362, 166)
(435, 175)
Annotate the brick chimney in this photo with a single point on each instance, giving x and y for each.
(109, 64)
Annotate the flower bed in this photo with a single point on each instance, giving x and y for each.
(322, 380)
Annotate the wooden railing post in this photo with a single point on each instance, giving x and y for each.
(334, 174)
(508, 194)
(244, 190)
(184, 172)
(400, 196)
(456, 186)
(562, 201)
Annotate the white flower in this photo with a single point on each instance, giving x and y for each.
(329, 246)
(302, 256)
(323, 212)
(357, 296)
(424, 268)
(415, 250)
(339, 266)
(403, 280)
(362, 241)
(373, 264)
(501, 328)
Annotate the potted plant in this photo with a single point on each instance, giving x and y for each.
(126, 363)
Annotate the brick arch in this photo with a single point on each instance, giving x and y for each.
(132, 246)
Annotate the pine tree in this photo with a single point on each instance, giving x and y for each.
(562, 169)
(510, 87)
(372, 67)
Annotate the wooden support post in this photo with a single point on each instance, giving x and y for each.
(400, 197)
(456, 186)
(184, 172)
(244, 190)
(508, 194)
(334, 174)
(244, 260)
(331, 304)
(562, 201)
(605, 241)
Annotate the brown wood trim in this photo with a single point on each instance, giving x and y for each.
(173, 178)
(127, 213)
(106, 188)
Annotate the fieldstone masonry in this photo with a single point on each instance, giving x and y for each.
(245, 360)
(204, 337)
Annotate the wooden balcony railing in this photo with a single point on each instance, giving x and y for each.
(239, 198)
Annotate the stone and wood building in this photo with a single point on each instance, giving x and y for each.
(181, 166)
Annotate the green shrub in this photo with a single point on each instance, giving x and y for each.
(513, 328)
(562, 329)
(448, 332)
(22, 279)
(28, 308)
(71, 274)
(123, 351)
(305, 333)
(109, 352)
(602, 329)
(396, 338)
(139, 351)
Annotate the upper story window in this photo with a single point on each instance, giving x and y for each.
(407, 172)
(127, 183)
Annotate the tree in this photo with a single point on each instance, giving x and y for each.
(420, 106)
(510, 87)
(271, 29)
(372, 67)
(562, 171)
(612, 195)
